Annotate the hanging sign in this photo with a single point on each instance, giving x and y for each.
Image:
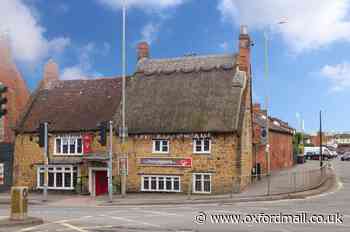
(2, 176)
(87, 140)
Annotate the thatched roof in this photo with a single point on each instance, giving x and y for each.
(182, 95)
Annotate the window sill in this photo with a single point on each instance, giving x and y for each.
(68, 154)
(162, 153)
(202, 153)
(54, 188)
(201, 192)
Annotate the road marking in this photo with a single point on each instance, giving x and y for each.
(73, 219)
(73, 227)
(134, 221)
(159, 213)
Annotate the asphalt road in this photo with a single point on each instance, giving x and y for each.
(182, 217)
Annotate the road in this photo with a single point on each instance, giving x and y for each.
(181, 217)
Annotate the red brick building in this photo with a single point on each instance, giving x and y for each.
(17, 94)
(280, 140)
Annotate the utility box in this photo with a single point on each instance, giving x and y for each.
(19, 203)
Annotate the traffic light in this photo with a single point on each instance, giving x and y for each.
(3, 100)
(102, 132)
(41, 131)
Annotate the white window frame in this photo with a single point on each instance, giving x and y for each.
(202, 145)
(41, 169)
(202, 183)
(161, 146)
(75, 149)
(157, 183)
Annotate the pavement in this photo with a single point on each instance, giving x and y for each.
(199, 217)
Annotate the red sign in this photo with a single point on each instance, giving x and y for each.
(87, 140)
(167, 162)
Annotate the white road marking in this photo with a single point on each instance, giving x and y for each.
(159, 213)
(135, 221)
(73, 227)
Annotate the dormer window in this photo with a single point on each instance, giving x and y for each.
(68, 145)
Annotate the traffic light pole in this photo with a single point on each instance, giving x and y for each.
(46, 163)
(110, 163)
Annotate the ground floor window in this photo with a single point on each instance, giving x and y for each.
(202, 183)
(160, 183)
(60, 177)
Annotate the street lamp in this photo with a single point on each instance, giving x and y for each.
(267, 124)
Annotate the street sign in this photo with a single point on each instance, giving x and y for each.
(263, 135)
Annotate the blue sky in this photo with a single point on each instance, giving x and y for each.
(308, 56)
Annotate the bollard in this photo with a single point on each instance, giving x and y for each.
(268, 185)
(19, 203)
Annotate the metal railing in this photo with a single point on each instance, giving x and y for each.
(281, 183)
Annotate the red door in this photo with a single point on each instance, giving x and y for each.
(101, 182)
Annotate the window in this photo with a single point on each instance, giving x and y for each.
(68, 145)
(160, 146)
(202, 183)
(60, 177)
(160, 184)
(201, 145)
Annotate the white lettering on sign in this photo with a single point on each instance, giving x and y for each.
(2, 176)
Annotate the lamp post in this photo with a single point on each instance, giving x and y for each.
(266, 72)
(123, 130)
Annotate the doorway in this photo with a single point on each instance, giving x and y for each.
(101, 183)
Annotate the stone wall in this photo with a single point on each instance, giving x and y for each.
(220, 162)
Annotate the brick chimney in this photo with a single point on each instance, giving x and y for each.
(51, 74)
(142, 50)
(244, 50)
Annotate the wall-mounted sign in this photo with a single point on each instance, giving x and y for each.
(2, 176)
(167, 162)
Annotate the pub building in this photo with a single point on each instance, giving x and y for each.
(189, 123)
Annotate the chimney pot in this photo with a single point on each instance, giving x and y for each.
(244, 30)
(142, 50)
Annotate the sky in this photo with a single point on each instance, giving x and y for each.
(308, 55)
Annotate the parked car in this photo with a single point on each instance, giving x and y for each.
(345, 157)
(310, 155)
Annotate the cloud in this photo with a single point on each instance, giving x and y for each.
(312, 24)
(29, 45)
(142, 4)
(84, 68)
(338, 75)
(149, 32)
